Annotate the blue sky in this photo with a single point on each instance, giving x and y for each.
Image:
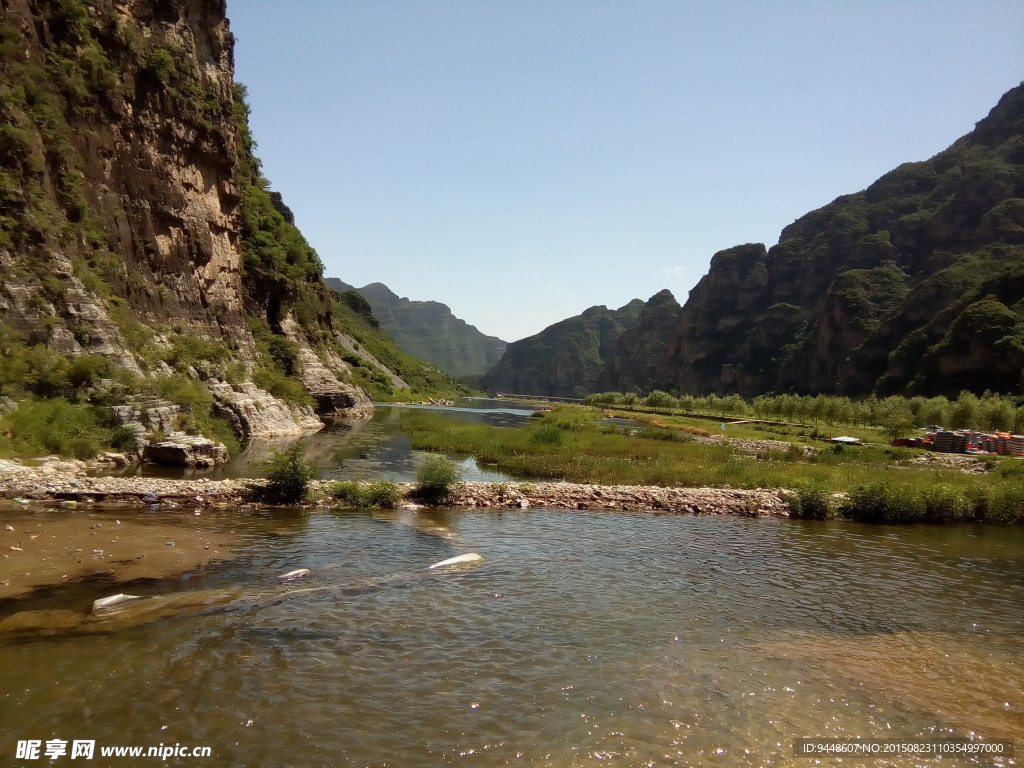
(522, 160)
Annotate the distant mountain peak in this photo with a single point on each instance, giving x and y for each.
(429, 330)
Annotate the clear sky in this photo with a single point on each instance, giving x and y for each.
(522, 160)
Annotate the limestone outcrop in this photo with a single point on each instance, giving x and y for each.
(254, 412)
(186, 451)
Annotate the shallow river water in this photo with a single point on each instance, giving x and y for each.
(370, 448)
(582, 639)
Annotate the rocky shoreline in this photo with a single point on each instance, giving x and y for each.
(68, 482)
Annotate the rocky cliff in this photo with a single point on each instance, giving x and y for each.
(565, 359)
(914, 285)
(632, 366)
(428, 330)
(138, 238)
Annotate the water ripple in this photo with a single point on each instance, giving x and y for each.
(583, 639)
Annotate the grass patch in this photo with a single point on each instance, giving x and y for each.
(46, 427)
(881, 484)
(380, 493)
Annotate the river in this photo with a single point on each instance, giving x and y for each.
(370, 448)
(582, 639)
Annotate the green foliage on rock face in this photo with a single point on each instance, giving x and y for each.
(189, 350)
(160, 65)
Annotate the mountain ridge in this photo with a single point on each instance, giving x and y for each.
(914, 284)
(429, 330)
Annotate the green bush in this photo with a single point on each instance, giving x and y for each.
(282, 386)
(885, 501)
(813, 501)
(436, 479)
(288, 476)
(1006, 504)
(55, 427)
(192, 350)
(351, 492)
(946, 504)
(380, 493)
(546, 434)
(87, 370)
(123, 439)
(160, 65)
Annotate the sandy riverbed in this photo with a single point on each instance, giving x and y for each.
(54, 545)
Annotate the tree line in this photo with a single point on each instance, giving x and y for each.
(897, 415)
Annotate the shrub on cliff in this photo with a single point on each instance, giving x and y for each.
(436, 479)
(288, 476)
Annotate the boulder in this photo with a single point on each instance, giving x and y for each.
(186, 451)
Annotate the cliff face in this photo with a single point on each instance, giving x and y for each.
(115, 178)
(632, 366)
(564, 359)
(428, 330)
(136, 230)
(913, 285)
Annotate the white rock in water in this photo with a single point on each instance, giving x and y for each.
(412, 507)
(471, 557)
(107, 602)
(299, 573)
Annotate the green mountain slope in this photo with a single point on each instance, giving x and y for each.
(914, 285)
(565, 359)
(428, 330)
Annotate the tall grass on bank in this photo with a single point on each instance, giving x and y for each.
(871, 483)
(45, 427)
(437, 478)
(379, 493)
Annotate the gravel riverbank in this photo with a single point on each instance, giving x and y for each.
(69, 483)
